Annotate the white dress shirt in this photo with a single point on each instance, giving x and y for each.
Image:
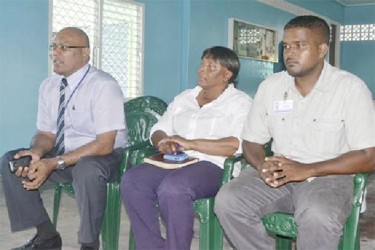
(93, 106)
(223, 117)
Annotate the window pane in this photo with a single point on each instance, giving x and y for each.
(364, 32)
(119, 25)
(121, 44)
(82, 14)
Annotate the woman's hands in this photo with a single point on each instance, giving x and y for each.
(173, 144)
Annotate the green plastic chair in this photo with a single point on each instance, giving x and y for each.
(283, 226)
(210, 231)
(141, 114)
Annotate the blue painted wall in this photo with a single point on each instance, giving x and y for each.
(163, 48)
(206, 32)
(358, 57)
(328, 8)
(176, 33)
(23, 65)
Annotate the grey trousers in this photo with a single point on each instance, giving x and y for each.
(89, 177)
(320, 208)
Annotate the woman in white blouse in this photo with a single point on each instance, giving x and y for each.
(205, 122)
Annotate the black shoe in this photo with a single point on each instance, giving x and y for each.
(92, 246)
(37, 243)
(88, 248)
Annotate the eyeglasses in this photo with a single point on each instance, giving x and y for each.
(63, 47)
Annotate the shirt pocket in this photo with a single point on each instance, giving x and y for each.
(279, 127)
(327, 136)
(82, 122)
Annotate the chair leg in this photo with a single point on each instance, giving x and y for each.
(111, 220)
(205, 209)
(204, 234)
(56, 203)
(218, 235)
(283, 243)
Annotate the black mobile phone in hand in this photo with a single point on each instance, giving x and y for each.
(21, 162)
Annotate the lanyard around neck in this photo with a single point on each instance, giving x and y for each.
(75, 89)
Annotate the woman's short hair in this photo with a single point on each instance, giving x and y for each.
(226, 57)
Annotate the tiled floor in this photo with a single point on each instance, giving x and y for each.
(68, 223)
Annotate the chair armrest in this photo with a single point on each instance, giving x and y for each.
(229, 166)
(128, 153)
(145, 152)
(360, 181)
(352, 223)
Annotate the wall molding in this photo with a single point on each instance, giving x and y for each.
(294, 9)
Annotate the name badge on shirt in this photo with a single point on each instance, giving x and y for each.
(283, 106)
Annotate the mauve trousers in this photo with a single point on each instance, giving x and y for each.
(145, 186)
(320, 209)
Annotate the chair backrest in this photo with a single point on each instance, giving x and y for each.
(141, 114)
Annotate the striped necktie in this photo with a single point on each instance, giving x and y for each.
(59, 145)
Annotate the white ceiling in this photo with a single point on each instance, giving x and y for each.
(356, 2)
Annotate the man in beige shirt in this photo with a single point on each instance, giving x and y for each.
(322, 121)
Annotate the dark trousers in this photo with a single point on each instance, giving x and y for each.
(145, 186)
(89, 177)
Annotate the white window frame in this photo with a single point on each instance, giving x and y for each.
(96, 49)
(357, 32)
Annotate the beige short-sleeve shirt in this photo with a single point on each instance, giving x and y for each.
(337, 116)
